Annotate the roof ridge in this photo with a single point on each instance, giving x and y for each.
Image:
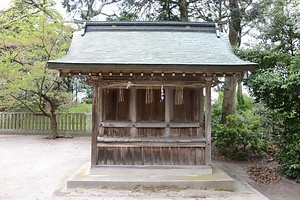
(171, 26)
(149, 23)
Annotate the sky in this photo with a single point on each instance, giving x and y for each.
(4, 4)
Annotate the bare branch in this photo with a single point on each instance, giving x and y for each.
(54, 42)
(35, 113)
(51, 88)
(42, 109)
(99, 10)
(21, 63)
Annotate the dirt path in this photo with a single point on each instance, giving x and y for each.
(36, 168)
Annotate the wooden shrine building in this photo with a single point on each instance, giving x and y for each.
(151, 88)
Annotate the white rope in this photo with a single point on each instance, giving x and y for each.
(162, 94)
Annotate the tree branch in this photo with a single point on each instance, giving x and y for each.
(42, 109)
(51, 88)
(35, 113)
(45, 97)
(54, 42)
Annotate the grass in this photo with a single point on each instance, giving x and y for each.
(81, 108)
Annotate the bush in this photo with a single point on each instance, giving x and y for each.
(240, 137)
(288, 141)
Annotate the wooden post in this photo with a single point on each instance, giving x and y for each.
(201, 113)
(132, 112)
(100, 110)
(95, 115)
(168, 102)
(208, 82)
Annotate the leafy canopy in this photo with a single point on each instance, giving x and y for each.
(276, 82)
(31, 34)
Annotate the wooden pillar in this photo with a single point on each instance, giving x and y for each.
(96, 116)
(208, 82)
(132, 112)
(168, 108)
(200, 131)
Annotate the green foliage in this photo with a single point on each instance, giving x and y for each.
(240, 138)
(26, 44)
(288, 141)
(80, 108)
(276, 82)
(279, 91)
(31, 34)
(216, 111)
(123, 16)
(244, 102)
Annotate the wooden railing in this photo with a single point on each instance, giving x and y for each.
(67, 122)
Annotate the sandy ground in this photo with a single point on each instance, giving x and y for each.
(36, 168)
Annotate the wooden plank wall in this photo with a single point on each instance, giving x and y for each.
(151, 156)
(149, 132)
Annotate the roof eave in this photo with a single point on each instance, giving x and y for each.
(187, 67)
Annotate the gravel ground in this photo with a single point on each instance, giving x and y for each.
(36, 168)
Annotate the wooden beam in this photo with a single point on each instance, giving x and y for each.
(95, 116)
(200, 132)
(208, 81)
(168, 102)
(112, 124)
(100, 108)
(107, 139)
(85, 68)
(148, 144)
(132, 111)
(125, 83)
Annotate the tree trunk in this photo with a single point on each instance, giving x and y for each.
(239, 88)
(235, 28)
(228, 104)
(183, 8)
(54, 132)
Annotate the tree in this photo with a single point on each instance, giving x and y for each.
(76, 86)
(149, 10)
(31, 34)
(88, 9)
(277, 81)
(241, 15)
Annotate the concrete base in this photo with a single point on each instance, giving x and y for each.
(128, 177)
(150, 171)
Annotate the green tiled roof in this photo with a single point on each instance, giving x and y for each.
(151, 44)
